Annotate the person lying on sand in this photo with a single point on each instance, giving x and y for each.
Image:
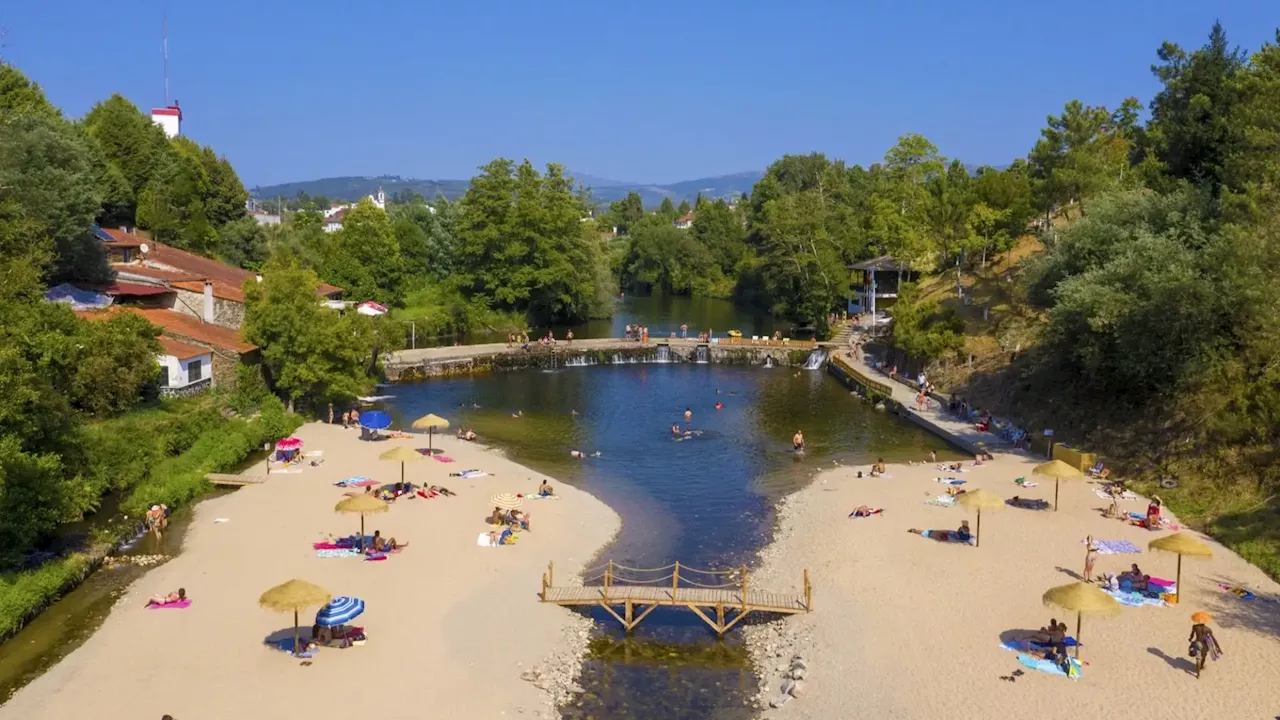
(864, 511)
(520, 519)
(1028, 503)
(172, 597)
(442, 490)
(544, 490)
(960, 535)
(381, 544)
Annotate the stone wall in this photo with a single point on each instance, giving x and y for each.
(226, 313)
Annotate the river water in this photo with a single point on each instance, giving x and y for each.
(707, 501)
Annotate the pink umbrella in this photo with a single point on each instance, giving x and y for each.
(289, 443)
(371, 308)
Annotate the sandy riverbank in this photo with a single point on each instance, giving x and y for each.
(451, 625)
(905, 627)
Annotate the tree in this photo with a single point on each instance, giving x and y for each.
(1081, 153)
(670, 260)
(667, 209)
(311, 354)
(720, 230)
(683, 209)
(225, 197)
(19, 97)
(129, 140)
(627, 211)
(986, 225)
(118, 365)
(243, 243)
(921, 329)
(46, 178)
(364, 257)
(1190, 127)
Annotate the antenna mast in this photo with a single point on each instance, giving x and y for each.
(164, 47)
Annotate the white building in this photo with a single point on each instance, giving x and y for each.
(169, 119)
(185, 369)
(379, 200)
(333, 222)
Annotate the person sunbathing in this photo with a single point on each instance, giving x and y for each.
(544, 490)
(382, 545)
(443, 490)
(1028, 503)
(169, 599)
(471, 435)
(864, 511)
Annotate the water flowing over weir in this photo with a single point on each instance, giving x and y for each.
(815, 360)
(702, 354)
(664, 354)
(673, 667)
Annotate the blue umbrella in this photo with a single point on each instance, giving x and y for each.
(339, 611)
(375, 419)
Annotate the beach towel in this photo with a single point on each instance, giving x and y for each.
(180, 604)
(1026, 483)
(1024, 645)
(1162, 584)
(942, 501)
(483, 540)
(285, 645)
(1116, 547)
(950, 481)
(1132, 598)
(1126, 495)
(375, 557)
(443, 458)
(945, 468)
(357, 481)
(1239, 592)
(1048, 666)
(337, 552)
(541, 497)
(470, 474)
(947, 536)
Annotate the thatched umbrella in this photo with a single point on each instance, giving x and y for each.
(295, 595)
(1183, 544)
(430, 422)
(1057, 470)
(979, 500)
(363, 504)
(402, 455)
(1082, 599)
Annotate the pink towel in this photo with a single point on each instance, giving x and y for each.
(443, 458)
(184, 603)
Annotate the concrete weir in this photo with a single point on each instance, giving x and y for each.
(410, 365)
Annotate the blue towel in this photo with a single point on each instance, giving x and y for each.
(1053, 668)
(1116, 547)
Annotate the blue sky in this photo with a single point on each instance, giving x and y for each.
(650, 92)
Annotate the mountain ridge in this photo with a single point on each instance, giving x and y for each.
(603, 190)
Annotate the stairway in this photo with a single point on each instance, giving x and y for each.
(842, 336)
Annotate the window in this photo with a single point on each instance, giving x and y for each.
(193, 371)
(164, 376)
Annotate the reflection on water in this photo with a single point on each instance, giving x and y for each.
(706, 501)
(663, 314)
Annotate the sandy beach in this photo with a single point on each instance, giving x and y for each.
(907, 627)
(451, 625)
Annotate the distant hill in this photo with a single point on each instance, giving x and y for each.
(603, 190)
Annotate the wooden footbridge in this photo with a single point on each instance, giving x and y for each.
(726, 593)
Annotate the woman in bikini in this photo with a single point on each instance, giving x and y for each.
(172, 597)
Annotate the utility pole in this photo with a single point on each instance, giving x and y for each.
(164, 50)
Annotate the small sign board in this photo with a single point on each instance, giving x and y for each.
(1048, 432)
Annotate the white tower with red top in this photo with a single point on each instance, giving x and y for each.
(169, 119)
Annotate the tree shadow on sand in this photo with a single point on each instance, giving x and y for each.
(1071, 573)
(1177, 663)
(1260, 614)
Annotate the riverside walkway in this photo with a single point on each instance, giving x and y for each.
(934, 417)
(730, 598)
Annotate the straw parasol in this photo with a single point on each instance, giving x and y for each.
(430, 422)
(979, 500)
(363, 504)
(1182, 544)
(402, 455)
(1082, 599)
(294, 595)
(506, 501)
(1057, 470)
(1201, 617)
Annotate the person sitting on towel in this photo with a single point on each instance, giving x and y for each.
(1132, 575)
(172, 597)
(544, 490)
(1054, 634)
(498, 517)
(963, 534)
(382, 545)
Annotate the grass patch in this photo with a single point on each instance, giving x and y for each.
(23, 594)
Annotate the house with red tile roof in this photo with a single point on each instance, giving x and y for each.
(200, 287)
(185, 369)
(685, 221)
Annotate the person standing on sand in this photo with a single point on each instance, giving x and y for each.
(1090, 555)
(330, 413)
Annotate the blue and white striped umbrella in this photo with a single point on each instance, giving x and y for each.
(339, 611)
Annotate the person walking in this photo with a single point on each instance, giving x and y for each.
(1203, 644)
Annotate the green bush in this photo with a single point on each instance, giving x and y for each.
(24, 593)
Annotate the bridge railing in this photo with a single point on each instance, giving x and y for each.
(873, 385)
(769, 342)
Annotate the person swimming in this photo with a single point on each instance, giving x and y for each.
(577, 454)
(675, 430)
(719, 405)
(688, 414)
